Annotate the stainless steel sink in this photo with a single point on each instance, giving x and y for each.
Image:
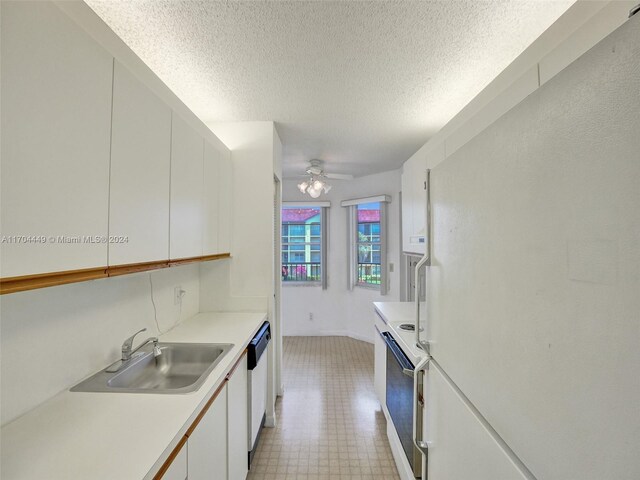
(180, 368)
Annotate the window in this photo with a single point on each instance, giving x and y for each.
(367, 242)
(303, 243)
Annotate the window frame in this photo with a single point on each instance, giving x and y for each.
(353, 243)
(359, 243)
(324, 234)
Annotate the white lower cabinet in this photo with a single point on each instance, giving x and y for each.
(178, 468)
(218, 447)
(380, 367)
(207, 445)
(237, 418)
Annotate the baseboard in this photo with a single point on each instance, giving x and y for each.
(270, 421)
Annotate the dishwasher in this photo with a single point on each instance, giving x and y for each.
(257, 388)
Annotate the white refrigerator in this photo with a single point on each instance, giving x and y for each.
(533, 285)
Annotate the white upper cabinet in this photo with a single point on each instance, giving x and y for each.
(414, 198)
(211, 199)
(187, 212)
(140, 170)
(56, 122)
(414, 204)
(225, 196)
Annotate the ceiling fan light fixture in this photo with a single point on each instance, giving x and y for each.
(302, 186)
(317, 184)
(313, 192)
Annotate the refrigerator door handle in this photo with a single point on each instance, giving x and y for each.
(418, 404)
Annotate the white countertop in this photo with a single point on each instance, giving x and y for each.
(396, 313)
(119, 435)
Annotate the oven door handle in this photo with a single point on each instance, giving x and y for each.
(401, 358)
(418, 404)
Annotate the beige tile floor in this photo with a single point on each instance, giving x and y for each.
(330, 425)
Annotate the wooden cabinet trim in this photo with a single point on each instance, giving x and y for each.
(116, 270)
(167, 463)
(206, 408)
(43, 280)
(203, 258)
(215, 395)
(235, 366)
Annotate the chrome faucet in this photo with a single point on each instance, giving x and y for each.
(127, 349)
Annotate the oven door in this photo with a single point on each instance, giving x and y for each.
(399, 399)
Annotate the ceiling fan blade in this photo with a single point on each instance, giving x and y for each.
(338, 176)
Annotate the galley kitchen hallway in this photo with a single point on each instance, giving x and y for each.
(330, 425)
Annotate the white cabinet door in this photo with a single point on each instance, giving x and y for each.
(212, 181)
(380, 367)
(460, 446)
(140, 169)
(238, 422)
(187, 216)
(225, 203)
(178, 468)
(207, 445)
(414, 204)
(407, 212)
(56, 121)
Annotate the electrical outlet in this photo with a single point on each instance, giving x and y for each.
(310, 316)
(178, 293)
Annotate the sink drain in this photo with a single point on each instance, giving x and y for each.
(408, 326)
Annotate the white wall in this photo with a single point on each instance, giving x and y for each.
(54, 337)
(338, 311)
(245, 282)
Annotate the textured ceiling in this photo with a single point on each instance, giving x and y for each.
(361, 85)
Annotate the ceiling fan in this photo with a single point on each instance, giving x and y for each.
(315, 182)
